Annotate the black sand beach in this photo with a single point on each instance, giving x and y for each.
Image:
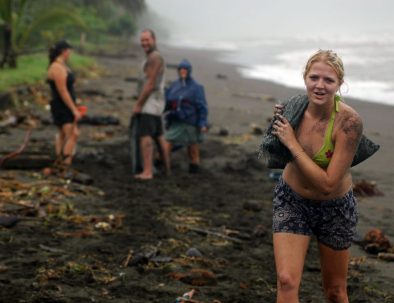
(120, 240)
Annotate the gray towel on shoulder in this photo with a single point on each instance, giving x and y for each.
(276, 155)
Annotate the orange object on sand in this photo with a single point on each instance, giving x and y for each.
(83, 109)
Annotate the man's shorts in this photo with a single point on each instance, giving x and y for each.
(333, 222)
(149, 125)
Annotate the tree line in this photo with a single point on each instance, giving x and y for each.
(27, 25)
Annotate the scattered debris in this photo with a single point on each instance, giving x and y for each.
(103, 226)
(256, 129)
(386, 256)
(145, 256)
(195, 277)
(205, 232)
(73, 175)
(77, 234)
(8, 221)
(3, 268)
(101, 136)
(129, 256)
(356, 261)
(366, 188)
(193, 252)
(9, 121)
(260, 231)
(51, 249)
(48, 199)
(375, 241)
(238, 139)
(99, 120)
(186, 297)
(23, 118)
(160, 259)
(223, 132)
(26, 161)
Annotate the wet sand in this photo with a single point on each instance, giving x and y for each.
(59, 252)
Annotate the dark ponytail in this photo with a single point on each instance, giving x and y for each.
(56, 50)
(53, 54)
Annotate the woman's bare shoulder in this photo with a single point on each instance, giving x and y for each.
(55, 70)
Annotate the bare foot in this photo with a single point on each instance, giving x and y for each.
(143, 177)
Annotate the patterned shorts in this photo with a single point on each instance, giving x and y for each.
(333, 222)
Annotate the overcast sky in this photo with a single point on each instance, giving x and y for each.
(228, 19)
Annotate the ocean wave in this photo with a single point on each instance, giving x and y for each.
(200, 44)
(367, 90)
(368, 64)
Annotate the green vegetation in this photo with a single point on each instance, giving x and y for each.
(31, 27)
(32, 69)
(20, 20)
(28, 26)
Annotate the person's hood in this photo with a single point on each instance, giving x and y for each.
(186, 64)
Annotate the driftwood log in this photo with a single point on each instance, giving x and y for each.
(26, 161)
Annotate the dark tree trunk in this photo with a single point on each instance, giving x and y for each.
(9, 55)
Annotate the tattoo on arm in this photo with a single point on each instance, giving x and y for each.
(154, 63)
(352, 127)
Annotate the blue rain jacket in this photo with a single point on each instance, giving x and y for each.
(185, 100)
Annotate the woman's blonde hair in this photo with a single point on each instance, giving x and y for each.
(329, 57)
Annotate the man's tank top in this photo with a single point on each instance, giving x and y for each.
(154, 105)
(324, 155)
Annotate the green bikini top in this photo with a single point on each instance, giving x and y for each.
(324, 155)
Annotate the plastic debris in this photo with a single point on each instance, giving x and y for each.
(186, 297)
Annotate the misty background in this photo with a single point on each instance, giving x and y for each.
(272, 40)
(245, 19)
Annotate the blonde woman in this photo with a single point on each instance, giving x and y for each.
(314, 196)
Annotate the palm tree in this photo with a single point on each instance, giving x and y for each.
(19, 21)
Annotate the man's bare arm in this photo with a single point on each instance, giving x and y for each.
(153, 68)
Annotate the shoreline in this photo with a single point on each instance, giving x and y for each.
(283, 61)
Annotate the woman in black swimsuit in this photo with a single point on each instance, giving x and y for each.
(64, 111)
